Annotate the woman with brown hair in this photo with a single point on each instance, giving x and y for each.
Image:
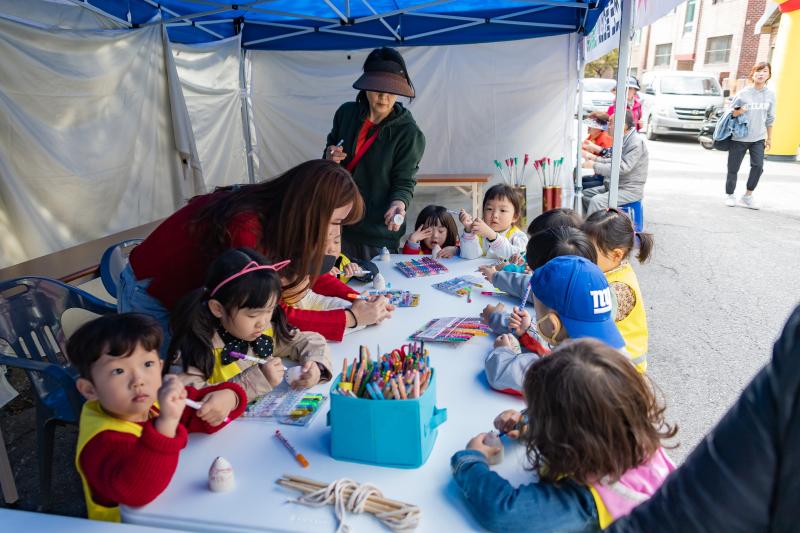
(288, 217)
(592, 430)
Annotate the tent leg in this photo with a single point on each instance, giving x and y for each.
(245, 96)
(578, 178)
(626, 24)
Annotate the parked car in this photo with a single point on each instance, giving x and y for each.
(675, 102)
(710, 119)
(597, 95)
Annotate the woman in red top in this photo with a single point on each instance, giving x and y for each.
(288, 217)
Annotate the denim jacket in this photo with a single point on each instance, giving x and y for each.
(537, 507)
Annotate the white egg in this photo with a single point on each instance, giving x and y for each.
(220, 475)
(492, 439)
(379, 282)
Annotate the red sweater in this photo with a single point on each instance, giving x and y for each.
(410, 250)
(177, 264)
(123, 469)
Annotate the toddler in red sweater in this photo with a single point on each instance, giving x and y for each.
(135, 423)
(435, 227)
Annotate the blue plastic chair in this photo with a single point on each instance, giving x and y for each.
(114, 259)
(636, 212)
(30, 324)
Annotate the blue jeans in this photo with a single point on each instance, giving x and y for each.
(133, 297)
(535, 507)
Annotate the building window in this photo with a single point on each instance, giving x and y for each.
(718, 49)
(662, 56)
(688, 21)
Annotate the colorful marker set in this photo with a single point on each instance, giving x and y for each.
(418, 268)
(403, 374)
(451, 329)
(286, 406)
(460, 286)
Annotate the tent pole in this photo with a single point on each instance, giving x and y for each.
(578, 176)
(626, 22)
(245, 95)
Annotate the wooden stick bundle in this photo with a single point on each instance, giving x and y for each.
(397, 515)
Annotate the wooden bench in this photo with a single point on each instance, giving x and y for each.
(467, 184)
(77, 262)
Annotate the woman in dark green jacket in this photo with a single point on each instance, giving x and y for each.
(377, 140)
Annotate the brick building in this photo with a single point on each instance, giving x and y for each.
(715, 36)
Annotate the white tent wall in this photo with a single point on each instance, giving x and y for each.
(475, 103)
(56, 14)
(209, 77)
(87, 143)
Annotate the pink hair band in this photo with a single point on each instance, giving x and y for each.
(252, 266)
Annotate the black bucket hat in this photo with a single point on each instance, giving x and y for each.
(384, 76)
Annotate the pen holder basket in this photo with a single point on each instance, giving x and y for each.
(551, 198)
(395, 433)
(522, 194)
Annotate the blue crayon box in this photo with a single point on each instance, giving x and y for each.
(395, 433)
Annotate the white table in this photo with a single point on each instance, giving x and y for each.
(13, 520)
(257, 503)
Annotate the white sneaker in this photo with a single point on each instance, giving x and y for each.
(747, 201)
(730, 200)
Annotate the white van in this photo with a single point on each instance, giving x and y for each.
(674, 102)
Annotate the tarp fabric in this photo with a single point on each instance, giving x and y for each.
(87, 145)
(475, 103)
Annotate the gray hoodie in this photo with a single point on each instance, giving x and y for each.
(760, 106)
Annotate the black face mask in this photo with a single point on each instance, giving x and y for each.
(327, 263)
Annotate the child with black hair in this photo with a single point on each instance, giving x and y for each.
(614, 236)
(435, 227)
(506, 363)
(507, 281)
(237, 312)
(134, 422)
(593, 430)
(496, 234)
(543, 246)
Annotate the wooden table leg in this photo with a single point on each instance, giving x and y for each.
(476, 199)
(6, 474)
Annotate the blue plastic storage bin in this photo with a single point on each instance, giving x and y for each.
(396, 433)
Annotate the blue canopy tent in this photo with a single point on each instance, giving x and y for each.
(346, 24)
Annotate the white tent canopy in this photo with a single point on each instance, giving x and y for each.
(94, 122)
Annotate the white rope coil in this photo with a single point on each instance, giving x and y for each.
(405, 518)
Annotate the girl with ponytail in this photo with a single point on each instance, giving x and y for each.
(614, 237)
(237, 311)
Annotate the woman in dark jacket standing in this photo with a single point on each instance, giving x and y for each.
(377, 140)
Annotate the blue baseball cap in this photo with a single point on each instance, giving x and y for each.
(577, 290)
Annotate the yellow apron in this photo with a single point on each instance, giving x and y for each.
(95, 420)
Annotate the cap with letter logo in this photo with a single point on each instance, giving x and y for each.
(578, 291)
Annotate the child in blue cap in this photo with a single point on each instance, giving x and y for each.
(572, 300)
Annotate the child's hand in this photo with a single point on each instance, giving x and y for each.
(476, 443)
(479, 227)
(505, 340)
(508, 422)
(466, 220)
(516, 259)
(217, 406)
(489, 309)
(351, 269)
(421, 234)
(309, 377)
(171, 403)
(488, 272)
(448, 251)
(273, 371)
(519, 321)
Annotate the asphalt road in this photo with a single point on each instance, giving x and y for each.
(721, 283)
